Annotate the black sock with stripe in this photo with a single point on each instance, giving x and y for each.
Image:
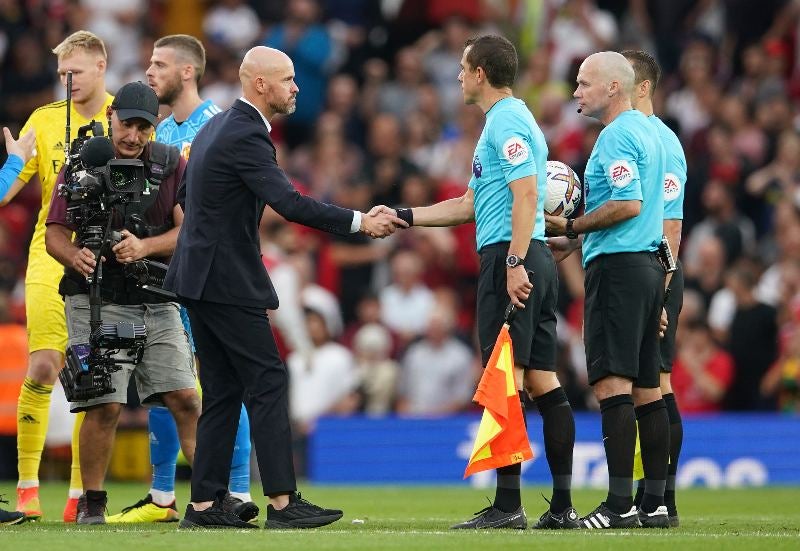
(619, 439)
(558, 427)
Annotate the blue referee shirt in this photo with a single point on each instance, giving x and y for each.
(627, 163)
(511, 147)
(675, 172)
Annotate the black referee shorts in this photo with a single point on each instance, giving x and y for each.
(673, 306)
(533, 331)
(624, 296)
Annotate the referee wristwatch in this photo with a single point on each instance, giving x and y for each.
(571, 233)
(512, 261)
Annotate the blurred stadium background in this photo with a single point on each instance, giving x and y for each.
(379, 336)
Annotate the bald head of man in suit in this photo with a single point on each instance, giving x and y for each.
(267, 77)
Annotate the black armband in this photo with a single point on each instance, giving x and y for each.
(406, 215)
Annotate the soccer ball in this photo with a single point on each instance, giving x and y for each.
(563, 189)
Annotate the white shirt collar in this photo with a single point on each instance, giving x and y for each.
(263, 118)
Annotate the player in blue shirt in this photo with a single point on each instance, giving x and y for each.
(623, 223)
(19, 151)
(176, 66)
(648, 75)
(505, 198)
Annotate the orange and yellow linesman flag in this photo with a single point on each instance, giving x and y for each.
(502, 439)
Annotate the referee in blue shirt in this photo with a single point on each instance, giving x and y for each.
(648, 75)
(624, 285)
(505, 198)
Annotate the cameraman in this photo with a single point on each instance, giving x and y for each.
(165, 375)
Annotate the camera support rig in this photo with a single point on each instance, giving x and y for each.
(89, 366)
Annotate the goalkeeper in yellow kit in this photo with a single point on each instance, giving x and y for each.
(84, 54)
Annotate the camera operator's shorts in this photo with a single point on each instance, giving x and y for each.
(44, 310)
(624, 297)
(673, 306)
(167, 364)
(533, 331)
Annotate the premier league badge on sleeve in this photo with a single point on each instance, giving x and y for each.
(477, 168)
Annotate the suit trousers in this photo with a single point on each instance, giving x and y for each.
(239, 363)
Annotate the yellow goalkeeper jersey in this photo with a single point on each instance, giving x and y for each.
(50, 122)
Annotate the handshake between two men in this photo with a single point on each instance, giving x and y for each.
(382, 221)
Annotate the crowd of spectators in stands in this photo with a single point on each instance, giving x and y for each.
(388, 326)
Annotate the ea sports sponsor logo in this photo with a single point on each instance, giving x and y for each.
(515, 150)
(620, 173)
(672, 187)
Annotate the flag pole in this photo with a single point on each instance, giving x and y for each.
(501, 439)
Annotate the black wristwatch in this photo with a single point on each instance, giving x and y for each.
(571, 233)
(512, 261)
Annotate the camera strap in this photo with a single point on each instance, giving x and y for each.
(162, 161)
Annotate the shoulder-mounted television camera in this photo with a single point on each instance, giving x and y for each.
(95, 184)
(94, 181)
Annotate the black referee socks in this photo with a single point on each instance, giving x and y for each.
(507, 496)
(619, 439)
(654, 441)
(675, 443)
(558, 427)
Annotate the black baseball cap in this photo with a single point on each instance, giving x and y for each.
(136, 100)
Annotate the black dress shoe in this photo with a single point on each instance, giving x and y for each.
(300, 514)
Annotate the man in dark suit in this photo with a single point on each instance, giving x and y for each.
(217, 272)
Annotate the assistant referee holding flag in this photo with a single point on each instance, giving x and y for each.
(624, 288)
(505, 197)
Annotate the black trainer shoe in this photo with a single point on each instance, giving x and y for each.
(672, 512)
(492, 517)
(603, 517)
(8, 518)
(92, 507)
(300, 513)
(566, 520)
(214, 517)
(657, 519)
(245, 510)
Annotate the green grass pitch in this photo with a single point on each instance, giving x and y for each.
(418, 517)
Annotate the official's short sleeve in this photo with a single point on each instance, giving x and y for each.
(512, 140)
(674, 189)
(674, 181)
(618, 157)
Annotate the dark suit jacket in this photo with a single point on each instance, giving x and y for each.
(232, 174)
